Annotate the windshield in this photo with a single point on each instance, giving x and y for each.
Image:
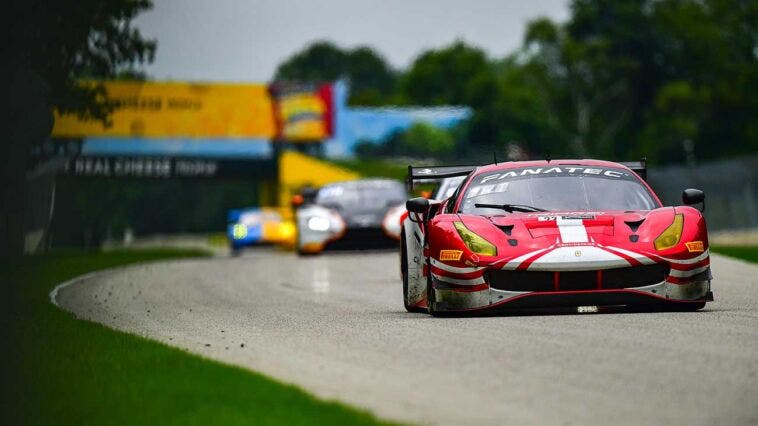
(376, 193)
(561, 188)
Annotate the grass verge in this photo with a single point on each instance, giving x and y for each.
(749, 253)
(61, 370)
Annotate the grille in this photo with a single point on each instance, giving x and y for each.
(633, 276)
(636, 276)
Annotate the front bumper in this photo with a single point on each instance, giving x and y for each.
(488, 294)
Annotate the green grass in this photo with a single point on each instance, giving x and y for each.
(749, 253)
(67, 371)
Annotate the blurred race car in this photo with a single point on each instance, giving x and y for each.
(447, 187)
(355, 214)
(256, 225)
(581, 234)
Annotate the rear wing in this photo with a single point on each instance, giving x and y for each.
(435, 173)
(639, 167)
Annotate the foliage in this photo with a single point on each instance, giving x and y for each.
(59, 369)
(64, 41)
(50, 47)
(375, 167)
(87, 211)
(368, 73)
(672, 80)
(419, 140)
(632, 78)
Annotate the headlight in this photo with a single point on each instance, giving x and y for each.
(671, 235)
(474, 242)
(239, 231)
(391, 222)
(318, 223)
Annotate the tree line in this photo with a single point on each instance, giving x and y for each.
(672, 80)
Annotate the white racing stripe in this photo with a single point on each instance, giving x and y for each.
(691, 272)
(514, 263)
(637, 256)
(577, 258)
(459, 281)
(572, 230)
(437, 264)
(687, 261)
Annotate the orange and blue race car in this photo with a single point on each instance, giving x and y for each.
(584, 235)
(253, 226)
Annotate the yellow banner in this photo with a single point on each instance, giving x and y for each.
(176, 109)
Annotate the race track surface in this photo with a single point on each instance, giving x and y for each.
(336, 326)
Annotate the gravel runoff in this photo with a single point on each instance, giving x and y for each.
(335, 325)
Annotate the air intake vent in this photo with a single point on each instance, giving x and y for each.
(634, 225)
(506, 228)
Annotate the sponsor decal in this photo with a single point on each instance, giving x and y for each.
(451, 255)
(695, 246)
(578, 217)
(557, 171)
(153, 109)
(566, 217)
(164, 167)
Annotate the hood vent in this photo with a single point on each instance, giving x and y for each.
(506, 228)
(634, 225)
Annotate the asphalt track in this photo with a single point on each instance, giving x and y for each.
(335, 325)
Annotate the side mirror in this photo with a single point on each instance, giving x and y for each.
(692, 196)
(418, 205)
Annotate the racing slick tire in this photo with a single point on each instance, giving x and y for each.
(404, 274)
(299, 247)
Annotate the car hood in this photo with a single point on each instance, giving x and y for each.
(541, 229)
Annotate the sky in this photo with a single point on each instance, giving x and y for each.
(245, 40)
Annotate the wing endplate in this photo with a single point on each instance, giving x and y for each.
(639, 167)
(435, 173)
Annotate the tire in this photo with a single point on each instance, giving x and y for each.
(404, 274)
(299, 245)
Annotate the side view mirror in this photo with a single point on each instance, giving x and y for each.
(692, 196)
(418, 205)
(297, 200)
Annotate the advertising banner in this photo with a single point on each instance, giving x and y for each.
(304, 112)
(179, 109)
(167, 167)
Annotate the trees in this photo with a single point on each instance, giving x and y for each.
(372, 80)
(666, 79)
(637, 77)
(51, 46)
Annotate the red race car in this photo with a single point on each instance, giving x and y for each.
(577, 234)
